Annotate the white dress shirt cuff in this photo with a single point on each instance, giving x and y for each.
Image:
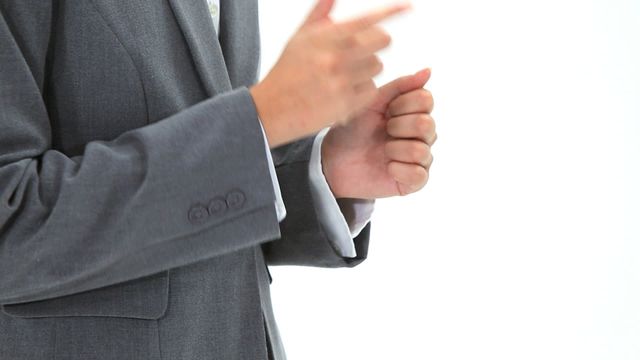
(281, 211)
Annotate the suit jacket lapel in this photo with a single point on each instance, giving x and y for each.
(240, 40)
(195, 22)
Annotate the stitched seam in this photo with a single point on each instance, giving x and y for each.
(157, 321)
(55, 338)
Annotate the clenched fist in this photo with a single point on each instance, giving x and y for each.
(386, 149)
(324, 75)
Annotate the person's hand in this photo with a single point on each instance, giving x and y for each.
(324, 74)
(386, 149)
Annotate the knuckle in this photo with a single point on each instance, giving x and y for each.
(429, 100)
(378, 66)
(429, 161)
(429, 95)
(424, 124)
(350, 42)
(424, 96)
(418, 152)
(385, 39)
(329, 63)
(338, 85)
(420, 175)
(381, 34)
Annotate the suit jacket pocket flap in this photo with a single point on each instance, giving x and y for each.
(144, 298)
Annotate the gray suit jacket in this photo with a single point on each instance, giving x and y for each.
(136, 208)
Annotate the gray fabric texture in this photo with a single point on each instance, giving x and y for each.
(136, 207)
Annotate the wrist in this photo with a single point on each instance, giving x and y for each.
(273, 117)
(283, 117)
(262, 102)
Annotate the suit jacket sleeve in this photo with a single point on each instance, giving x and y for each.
(303, 240)
(191, 186)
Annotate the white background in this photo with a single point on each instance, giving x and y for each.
(525, 244)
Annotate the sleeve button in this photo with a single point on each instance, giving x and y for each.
(217, 206)
(235, 199)
(198, 214)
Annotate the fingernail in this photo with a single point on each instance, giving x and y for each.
(423, 71)
(404, 5)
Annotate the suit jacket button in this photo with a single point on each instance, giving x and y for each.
(217, 206)
(235, 199)
(198, 214)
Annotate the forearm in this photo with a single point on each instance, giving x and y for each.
(133, 206)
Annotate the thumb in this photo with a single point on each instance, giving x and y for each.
(320, 12)
(401, 86)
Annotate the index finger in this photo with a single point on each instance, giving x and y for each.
(374, 17)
